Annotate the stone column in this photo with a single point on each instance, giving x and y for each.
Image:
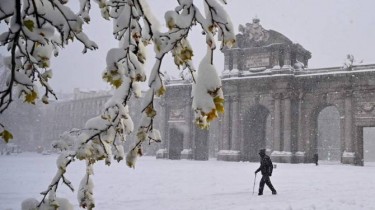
(241, 130)
(234, 144)
(235, 124)
(287, 121)
(300, 155)
(164, 129)
(219, 133)
(225, 129)
(276, 128)
(348, 155)
(186, 153)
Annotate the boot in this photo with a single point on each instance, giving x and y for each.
(274, 192)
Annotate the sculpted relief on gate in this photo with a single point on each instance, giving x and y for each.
(254, 32)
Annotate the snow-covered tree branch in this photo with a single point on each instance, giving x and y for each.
(39, 28)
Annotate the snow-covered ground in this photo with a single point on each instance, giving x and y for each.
(193, 185)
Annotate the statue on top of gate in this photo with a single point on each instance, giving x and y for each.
(254, 31)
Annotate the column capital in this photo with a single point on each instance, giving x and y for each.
(256, 99)
(348, 93)
(235, 98)
(301, 95)
(288, 95)
(276, 95)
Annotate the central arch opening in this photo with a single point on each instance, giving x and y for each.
(366, 138)
(176, 138)
(201, 142)
(255, 132)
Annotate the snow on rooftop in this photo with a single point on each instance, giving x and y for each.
(305, 73)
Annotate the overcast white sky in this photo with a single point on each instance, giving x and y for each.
(329, 29)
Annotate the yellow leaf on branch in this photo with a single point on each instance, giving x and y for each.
(150, 112)
(140, 78)
(212, 115)
(220, 108)
(219, 104)
(202, 123)
(31, 97)
(186, 54)
(6, 135)
(161, 91)
(218, 100)
(170, 23)
(29, 24)
(117, 83)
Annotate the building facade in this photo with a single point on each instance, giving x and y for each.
(74, 111)
(272, 101)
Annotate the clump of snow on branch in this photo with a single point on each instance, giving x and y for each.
(38, 28)
(208, 99)
(85, 192)
(32, 204)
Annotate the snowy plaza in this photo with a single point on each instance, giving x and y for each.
(187, 101)
(193, 185)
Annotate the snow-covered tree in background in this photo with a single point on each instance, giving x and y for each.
(38, 28)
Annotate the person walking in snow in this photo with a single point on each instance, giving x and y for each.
(266, 168)
(316, 158)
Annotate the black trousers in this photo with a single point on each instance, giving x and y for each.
(265, 180)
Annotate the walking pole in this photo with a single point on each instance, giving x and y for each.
(254, 182)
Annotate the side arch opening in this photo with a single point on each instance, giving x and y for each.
(255, 132)
(328, 138)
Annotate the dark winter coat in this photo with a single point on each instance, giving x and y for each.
(266, 166)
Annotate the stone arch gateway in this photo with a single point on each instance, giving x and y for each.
(268, 70)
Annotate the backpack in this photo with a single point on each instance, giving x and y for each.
(270, 167)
